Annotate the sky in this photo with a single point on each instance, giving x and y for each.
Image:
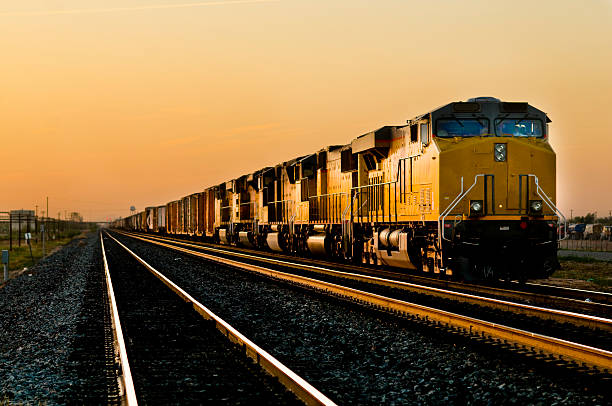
(105, 104)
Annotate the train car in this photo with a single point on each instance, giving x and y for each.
(172, 217)
(150, 214)
(134, 222)
(160, 220)
(467, 190)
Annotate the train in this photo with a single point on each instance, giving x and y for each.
(465, 191)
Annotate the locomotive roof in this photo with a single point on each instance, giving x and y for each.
(483, 105)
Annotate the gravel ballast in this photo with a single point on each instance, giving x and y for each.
(360, 357)
(41, 312)
(175, 356)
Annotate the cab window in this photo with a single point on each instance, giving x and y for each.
(511, 127)
(456, 127)
(424, 134)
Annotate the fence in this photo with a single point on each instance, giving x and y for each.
(586, 245)
(13, 227)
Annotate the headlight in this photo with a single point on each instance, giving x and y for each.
(500, 153)
(535, 206)
(476, 208)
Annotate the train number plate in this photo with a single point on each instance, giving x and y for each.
(504, 228)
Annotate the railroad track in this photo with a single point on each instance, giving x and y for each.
(572, 300)
(564, 351)
(557, 311)
(172, 349)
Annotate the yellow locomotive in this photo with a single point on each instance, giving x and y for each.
(467, 189)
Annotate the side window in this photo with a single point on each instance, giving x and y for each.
(424, 134)
(414, 136)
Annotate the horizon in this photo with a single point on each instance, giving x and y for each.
(140, 103)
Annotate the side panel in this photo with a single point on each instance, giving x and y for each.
(201, 219)
(210, 212)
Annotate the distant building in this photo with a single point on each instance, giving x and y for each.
(75, 216)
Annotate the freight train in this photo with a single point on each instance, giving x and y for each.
(466, 190)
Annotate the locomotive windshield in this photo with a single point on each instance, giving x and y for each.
(460, 127)
(518, 128)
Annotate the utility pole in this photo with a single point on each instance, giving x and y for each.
(42, 232)
(571, 214)
(48, 214)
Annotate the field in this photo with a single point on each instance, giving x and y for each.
(582, 273)
(20, 257)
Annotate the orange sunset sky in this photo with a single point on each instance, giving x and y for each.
(110, 103)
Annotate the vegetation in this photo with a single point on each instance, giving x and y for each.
(573, 258)
(21, 257)
(591, 218)
(591, 272)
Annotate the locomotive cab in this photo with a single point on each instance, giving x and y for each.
(497, 190)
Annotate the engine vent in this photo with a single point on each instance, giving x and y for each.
(508, 107)
(466, 107)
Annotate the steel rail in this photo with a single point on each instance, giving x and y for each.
(599, 297)
(561, 316)
(562, 349)
(293, 382)
(585, 300)
(126, 383)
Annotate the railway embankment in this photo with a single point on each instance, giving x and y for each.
(358, 356)
(43, 316)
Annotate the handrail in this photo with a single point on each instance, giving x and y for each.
(372, 185)
(328, 194)
(462, 195)
(449, 208)
(347, 225)
(552, 206)
(348, 207)
(393, 182)
(280, 201)
(455, 202)
(295, 213)
(397, 177)
(364, 203)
